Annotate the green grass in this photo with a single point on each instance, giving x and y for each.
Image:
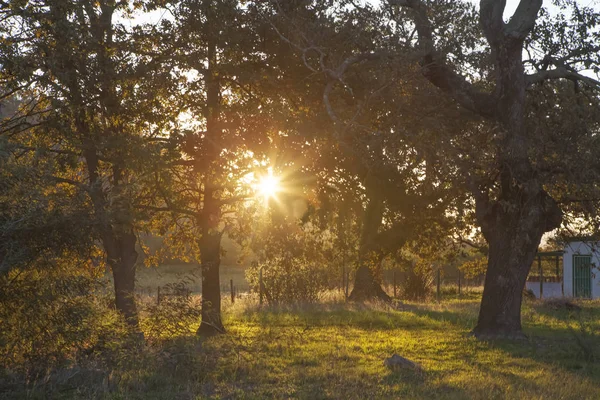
(336, 351)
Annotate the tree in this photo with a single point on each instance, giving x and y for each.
(226, 85)
(87, 109)
(515, 207)
(377, 122)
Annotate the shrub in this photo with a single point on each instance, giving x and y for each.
(288, 280)
(418, 281)
(173, 314)
(51, 317)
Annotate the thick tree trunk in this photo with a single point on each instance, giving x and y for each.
(510, 256)
(367, 285)
(515, 212)
(513, 224)
(513, 236)
(210, 250)
(122, 257)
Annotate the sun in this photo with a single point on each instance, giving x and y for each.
(269, 186)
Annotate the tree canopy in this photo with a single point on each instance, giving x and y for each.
(402, 126)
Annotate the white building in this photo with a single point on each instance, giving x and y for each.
(577, 276)
(581, 266)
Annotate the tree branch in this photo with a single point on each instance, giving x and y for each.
(170, 209)
(79, 185)
(491, 12)
(560, 73)
(438, 72)
(523, 20)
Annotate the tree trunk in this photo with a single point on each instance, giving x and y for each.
(515, 212)
(509, 261)
(513, 236)
(209, 223)
(514, 223)
(367, 285)
(122, 256)
(210, 254)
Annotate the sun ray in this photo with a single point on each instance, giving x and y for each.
(269, 185)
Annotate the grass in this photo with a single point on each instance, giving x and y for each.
(336, 351)
(149, 278)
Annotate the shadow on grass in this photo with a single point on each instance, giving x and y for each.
(307, 352)
(551, 336)
(341, 315)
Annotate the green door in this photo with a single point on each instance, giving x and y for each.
(582, 276)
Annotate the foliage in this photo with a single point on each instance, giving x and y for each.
(474, 268)
(418, 281)
(289, 280)
(51, 315)
(295, 260)
(172, 314)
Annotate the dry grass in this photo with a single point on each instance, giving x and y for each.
(149, 278)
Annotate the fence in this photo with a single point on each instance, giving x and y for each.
(444, 285)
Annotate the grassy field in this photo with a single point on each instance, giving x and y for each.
(149, 278)
(336, 351)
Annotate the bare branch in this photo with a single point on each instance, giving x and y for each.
(561, 73)
(523, 21)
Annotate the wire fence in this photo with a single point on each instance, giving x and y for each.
(441, 286)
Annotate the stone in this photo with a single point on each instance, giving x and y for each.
(397, 362)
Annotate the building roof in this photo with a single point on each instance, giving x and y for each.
(550, 253)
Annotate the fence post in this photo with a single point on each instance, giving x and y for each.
(438, 285)
(395, 294)
(260, 285)
(232, 291)
(561, 277)
(347, 284)
(459, 284)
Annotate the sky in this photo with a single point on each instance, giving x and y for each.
(511, 5)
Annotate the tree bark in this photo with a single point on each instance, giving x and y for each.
(513, 242)
(210, 255)
(122, 256)
(211, 218)
(514, 216)
(367, 285)
(513, 224)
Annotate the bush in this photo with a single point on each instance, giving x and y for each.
(51, 317)
(418, 282)
(288, 280)
(296, 261)
(174, 314)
